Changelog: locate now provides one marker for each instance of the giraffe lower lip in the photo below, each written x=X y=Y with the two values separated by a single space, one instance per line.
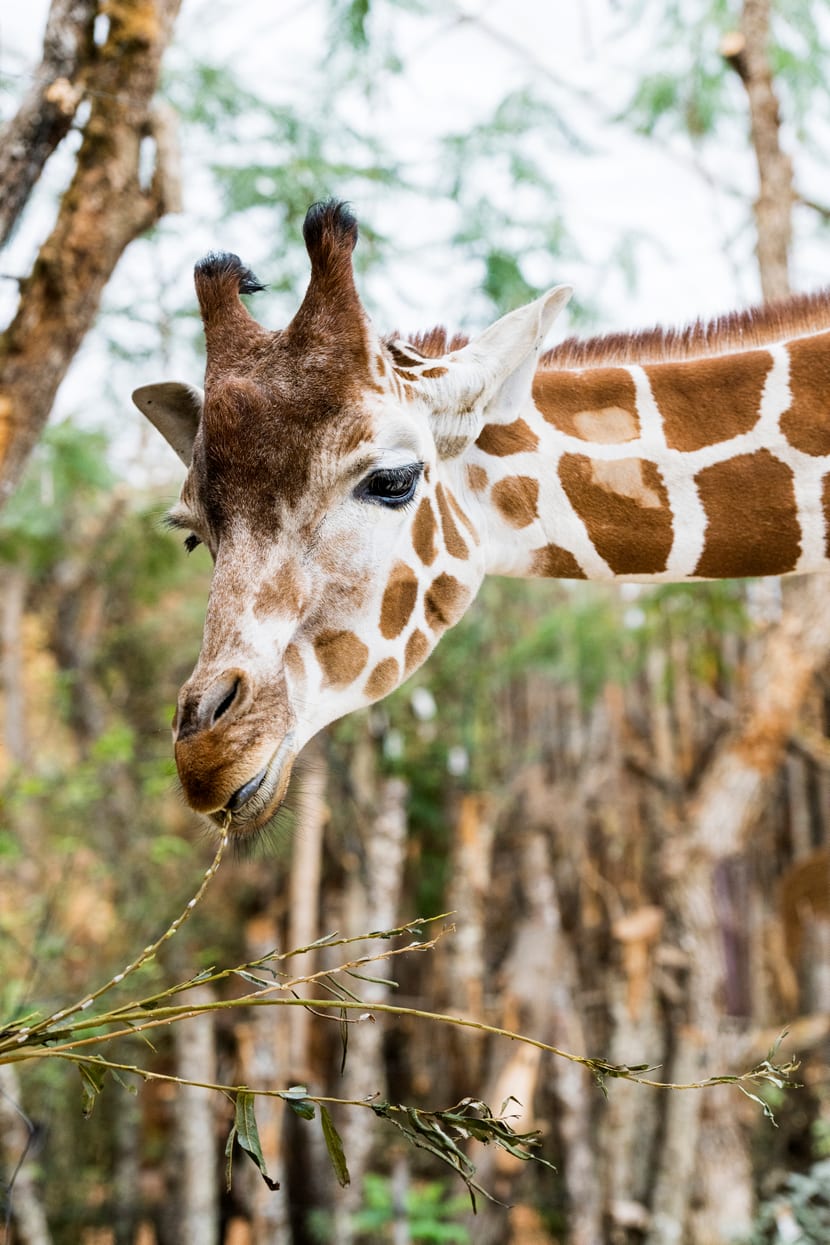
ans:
x=257 y=800
x=244 y=794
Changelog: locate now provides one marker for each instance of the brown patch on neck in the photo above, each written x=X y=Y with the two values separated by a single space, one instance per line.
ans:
x=554 y=562
x=516 y=500
x=454 y=542
x=599 y=406
x=753 y=526
x=383 y=679
x=342 y=656
x=806 y=424
x=417 y=651
x=625 y=508
x=398 y=602
x=710 y=400
x=505 y=439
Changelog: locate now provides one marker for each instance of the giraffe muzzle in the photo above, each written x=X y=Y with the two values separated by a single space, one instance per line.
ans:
x=259 y=799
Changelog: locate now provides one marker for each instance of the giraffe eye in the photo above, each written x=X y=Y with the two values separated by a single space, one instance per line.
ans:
x=393 y=486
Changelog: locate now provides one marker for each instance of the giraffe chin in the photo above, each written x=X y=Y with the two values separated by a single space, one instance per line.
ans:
x=257 y=800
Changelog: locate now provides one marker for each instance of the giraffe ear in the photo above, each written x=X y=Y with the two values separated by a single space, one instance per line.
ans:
x=491 y=377
x=175 y=410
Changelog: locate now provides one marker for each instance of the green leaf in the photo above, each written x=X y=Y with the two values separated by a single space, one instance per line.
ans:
x=335 y=1147
x=92 y=1082
x=246 y=1133
x=296 y=1097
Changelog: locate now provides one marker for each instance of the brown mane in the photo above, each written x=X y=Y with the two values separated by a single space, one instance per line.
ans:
x=737 y=330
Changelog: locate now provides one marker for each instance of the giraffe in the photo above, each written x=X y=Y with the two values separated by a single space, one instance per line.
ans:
x=354 y=491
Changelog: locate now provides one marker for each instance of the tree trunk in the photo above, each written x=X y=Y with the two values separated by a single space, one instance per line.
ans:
x=747 y=51
x=197 y=1195
x=12 y=599
x=103 y=210
x=373 y=904
x=21 y=1203
x=48 y=109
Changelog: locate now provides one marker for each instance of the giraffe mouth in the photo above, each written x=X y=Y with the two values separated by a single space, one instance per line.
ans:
x=258 y=799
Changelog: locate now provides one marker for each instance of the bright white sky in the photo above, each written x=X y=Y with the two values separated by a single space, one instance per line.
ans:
x=693 y=259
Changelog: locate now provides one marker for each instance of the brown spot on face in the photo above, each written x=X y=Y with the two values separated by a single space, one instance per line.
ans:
x=432 y=373
x=383 y=678
x=451 y=447
x=453 y=540
x=753 y=524
x=706 y=401
x=554 y=562
x=417 y=651
x=806 y=424
x=445 y=602
x=465 y=518
x=342 y=656
x=423 y=532
x=282 y=595
x=504 y=439
x=599 y=405
x=516 y=500
x=625 y=507
x=294 y=663
x=477 y=477
x=398 y=601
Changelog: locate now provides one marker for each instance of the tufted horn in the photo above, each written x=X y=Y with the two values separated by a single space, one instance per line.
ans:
x=331 y=308
x=230 y=330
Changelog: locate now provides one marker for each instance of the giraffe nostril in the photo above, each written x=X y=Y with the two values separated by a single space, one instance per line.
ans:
x=226 y=698
x=225 y=703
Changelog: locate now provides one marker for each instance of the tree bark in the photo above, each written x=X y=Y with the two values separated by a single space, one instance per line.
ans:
x=48 y=109
x=24 y=1207
x=197 y=1195
x=102 y=211
x=747 y=51
x=374 y=905
x=13 y=587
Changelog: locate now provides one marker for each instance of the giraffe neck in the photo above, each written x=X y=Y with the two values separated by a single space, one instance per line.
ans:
x=712 y=467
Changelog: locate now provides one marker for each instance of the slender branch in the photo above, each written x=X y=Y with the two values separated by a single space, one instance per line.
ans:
x=600 y=1068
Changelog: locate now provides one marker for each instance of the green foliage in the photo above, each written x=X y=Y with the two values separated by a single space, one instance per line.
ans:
x=66 y=477
x=800 y=1212
x=430 y=1211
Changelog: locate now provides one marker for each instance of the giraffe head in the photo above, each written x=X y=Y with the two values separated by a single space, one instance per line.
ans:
x=326 y=477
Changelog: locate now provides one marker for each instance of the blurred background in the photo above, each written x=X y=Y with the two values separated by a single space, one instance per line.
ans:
x=623 y=795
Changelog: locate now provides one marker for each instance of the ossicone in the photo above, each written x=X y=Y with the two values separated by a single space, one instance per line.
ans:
x=221 y=277
x=330 y=233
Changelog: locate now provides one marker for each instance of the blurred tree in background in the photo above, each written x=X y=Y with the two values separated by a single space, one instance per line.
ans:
x=562 y=775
